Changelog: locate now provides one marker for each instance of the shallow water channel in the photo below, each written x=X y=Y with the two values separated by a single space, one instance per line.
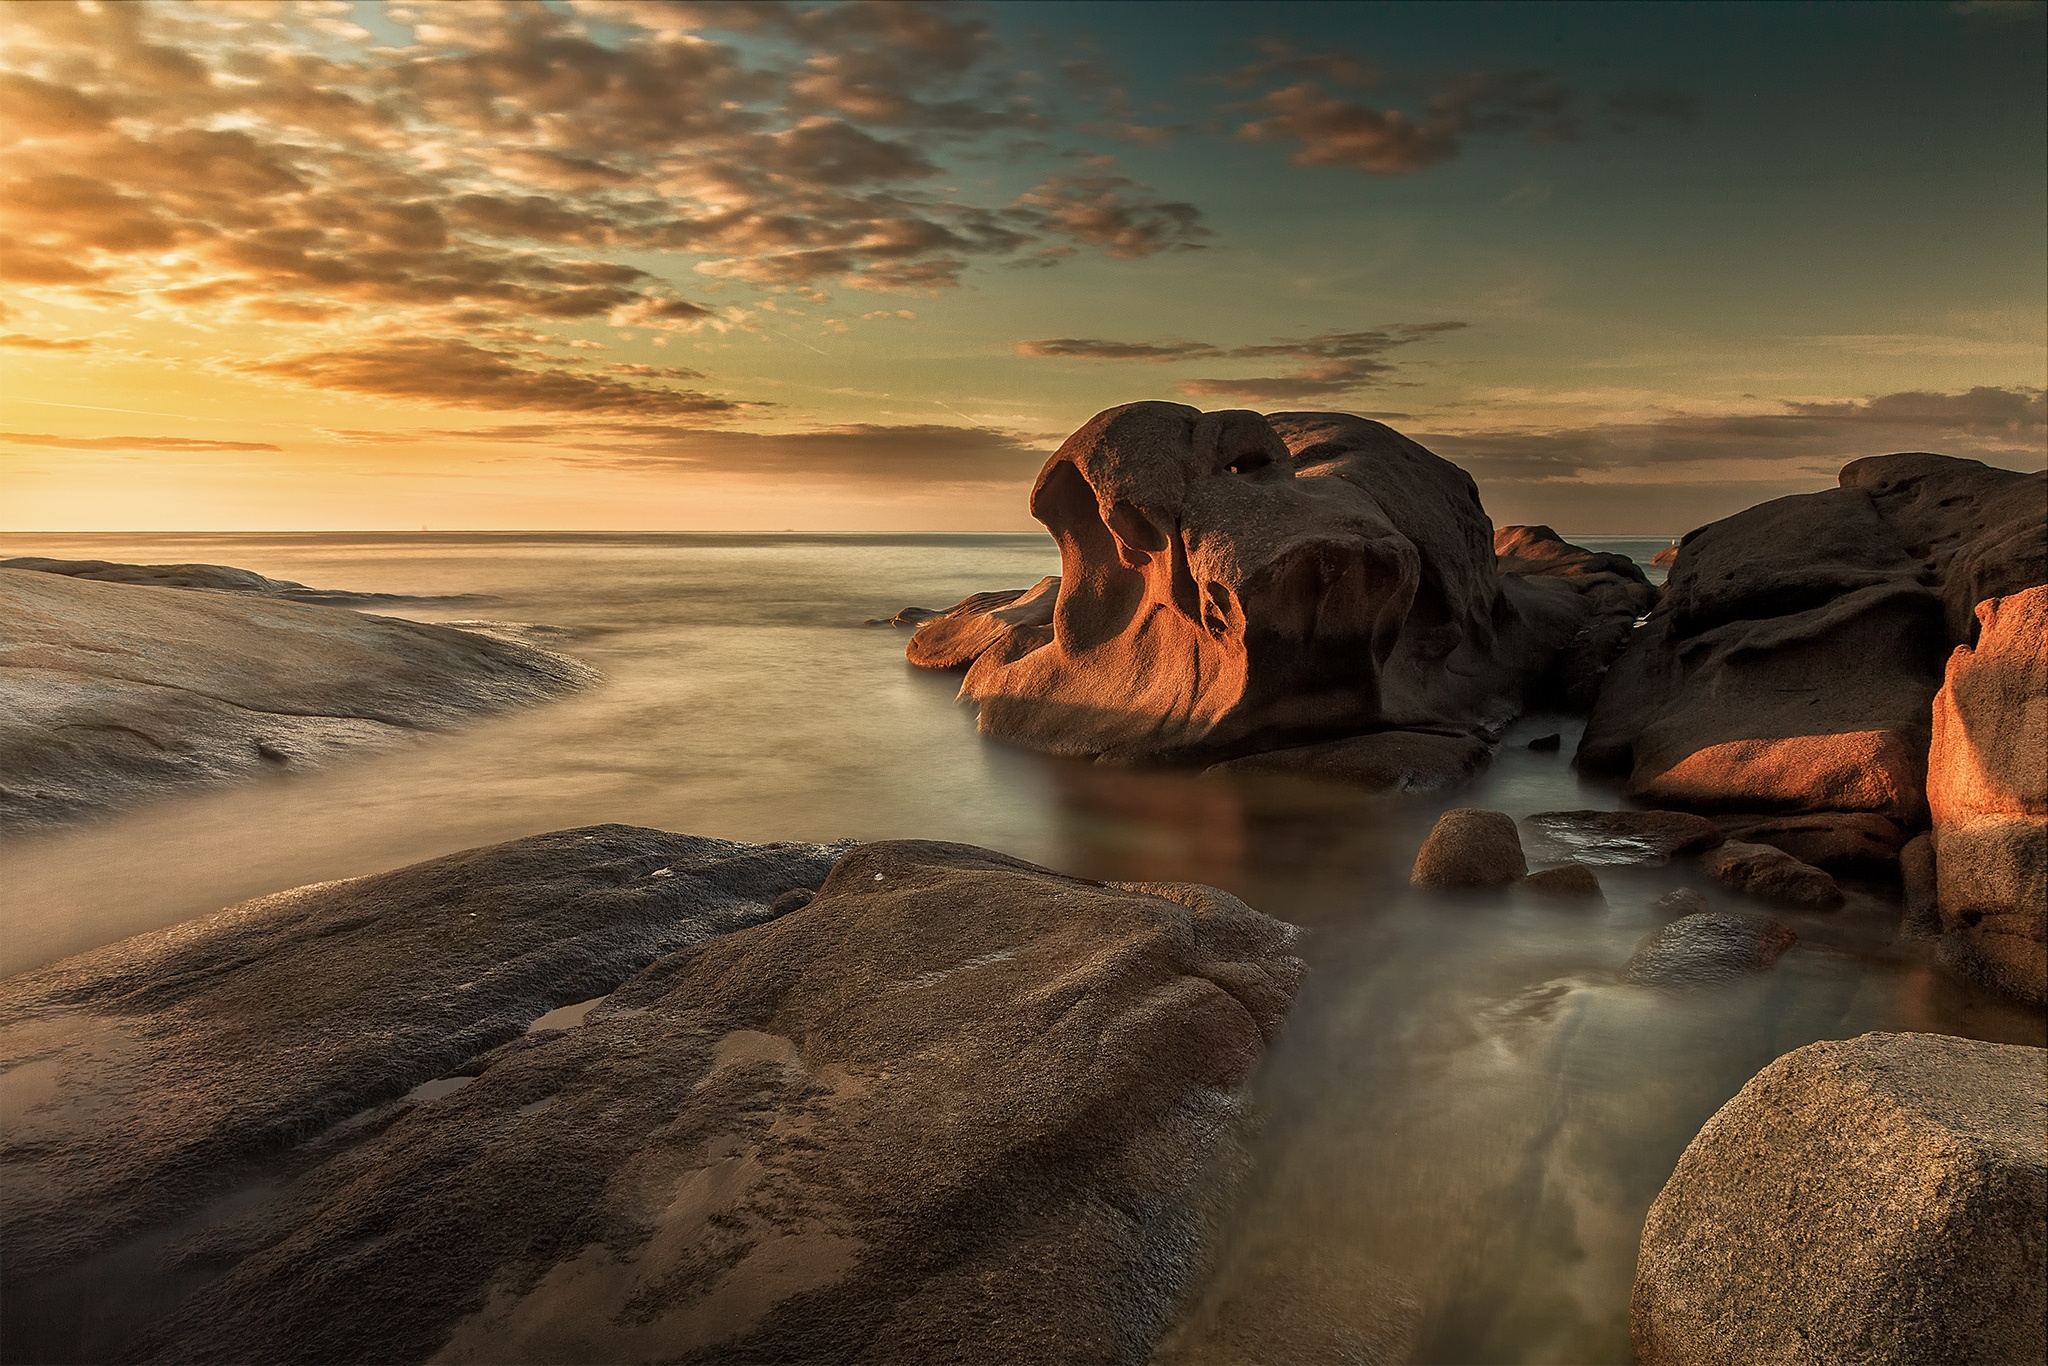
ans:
x=1467 y=1117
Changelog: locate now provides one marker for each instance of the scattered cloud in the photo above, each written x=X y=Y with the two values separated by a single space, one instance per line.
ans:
x=29 y=343
x=1336 y=131
x=130 y=443
x=1326 y=365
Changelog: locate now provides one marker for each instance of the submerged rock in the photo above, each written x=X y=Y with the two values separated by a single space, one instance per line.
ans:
x=1988 y=788
x=1384 y=761
x=953 y=1106
x=1469 y=847
x=1771 y=874
x=1799 y=644
x=1706 y=946
x=113 y=692
x=1838 y=841
x=1682 y=901
x=1565 y=880
x=1647 y=837
x=1879 y=1199
x=1231 y=582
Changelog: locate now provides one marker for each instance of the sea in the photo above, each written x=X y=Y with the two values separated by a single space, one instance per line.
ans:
x=1467 y=1116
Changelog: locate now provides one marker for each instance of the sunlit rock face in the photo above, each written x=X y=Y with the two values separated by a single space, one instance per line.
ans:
x=1987 y=787
x=1794 y=659
x=1232 y=582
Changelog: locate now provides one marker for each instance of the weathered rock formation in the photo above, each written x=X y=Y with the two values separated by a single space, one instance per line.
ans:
x=950 y=1107
x=1792 y=662
x=1614 y=593
x=1988 y=789
x=1231 y=583
x=111 y=692
x=1706 y=946
x=1875 y=1199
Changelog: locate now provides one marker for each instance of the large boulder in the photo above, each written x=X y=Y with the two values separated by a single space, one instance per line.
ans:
x=1880 y=1199
x=1614 y=593
x=113 y=692
x=1232 y=583
x=1793 y=660
x=952 y=1106
x=1988 y=789
x=1470 y=847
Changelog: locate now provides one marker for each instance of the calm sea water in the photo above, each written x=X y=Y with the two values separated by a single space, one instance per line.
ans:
x=1467 y=1117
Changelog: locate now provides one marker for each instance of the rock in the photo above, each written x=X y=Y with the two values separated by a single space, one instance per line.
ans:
x=1839 y=841
x=910 y=616
x=1878 y=1199
x=1566 y=880
x=1385 y=761
x=1988 y=789
x=1008 y=622
x=1920 y=916
x=1470 y=848
x=110 y=693
x=1682 y=901
x=955 y=1107
x=1706 y=946
x=1978 y=531
x=1794 y=657
x=1614 y=592
x=1770 y=874
x=1232 y=583
x=1645 y=837
x=220 y=578
x=1547 y=744
x=1666 y=557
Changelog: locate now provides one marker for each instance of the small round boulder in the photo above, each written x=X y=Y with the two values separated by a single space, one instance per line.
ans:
x=1470 y=848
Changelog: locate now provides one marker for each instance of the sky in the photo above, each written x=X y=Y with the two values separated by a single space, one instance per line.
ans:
x=617 y=264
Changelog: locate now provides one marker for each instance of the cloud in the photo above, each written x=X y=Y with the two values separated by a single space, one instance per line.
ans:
x=1113 y=213
x=461 y=375
x=130 y=443
x=29 y=343
x=1334 y=131
x=1327 y=364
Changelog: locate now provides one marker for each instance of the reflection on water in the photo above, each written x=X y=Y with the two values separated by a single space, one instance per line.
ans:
x=1467 y=1116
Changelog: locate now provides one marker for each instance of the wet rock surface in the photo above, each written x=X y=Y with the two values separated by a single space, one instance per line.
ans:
x=1470 y=848
x=1707 y=946
x=1616 y=837
x=1838 y=841
x=952 y=1106
x=1876 y=1199
x=1988 y=790
x=1798 y=646
x=1385 y=761
x=114 y=692
x=1771 y=874
x=1231 y=582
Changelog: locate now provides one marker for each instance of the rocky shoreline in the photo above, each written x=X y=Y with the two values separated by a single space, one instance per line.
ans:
x=614 y=1093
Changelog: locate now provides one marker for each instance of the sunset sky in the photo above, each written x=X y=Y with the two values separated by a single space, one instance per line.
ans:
x=620 y=264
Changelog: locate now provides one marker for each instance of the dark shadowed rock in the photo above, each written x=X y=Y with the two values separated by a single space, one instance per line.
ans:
x=1565 y=880
x=1547 y=744
x=1706 y=946
x=1682 y=901
x=1385 y=761
x=110 y=692
x=1007 y=622
x=955 y=1107
x=1988 y=788
x=1231 y=582
x=1614 y=592
x=1770 y=874
x=1879 y=1199
x=1469 y=847
x=1839 y=841
x=1920 y=915
x=1647 y=837
x=1792 y=662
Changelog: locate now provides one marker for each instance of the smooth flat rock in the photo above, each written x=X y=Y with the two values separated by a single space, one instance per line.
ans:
x=1987 y=787
x=221 y=578
x=111 y=692
x=952 y=1107
x=1771 y=874
x=1469 y=847
x=1385 y=761
x=1626 y=837
x=1878 y=1199
x=1233 y=582
x=1706 y=946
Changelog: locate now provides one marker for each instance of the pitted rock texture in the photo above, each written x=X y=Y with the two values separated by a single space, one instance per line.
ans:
x=1879 y=1199
x=1792 y=662
x=952 y=1107
x=1988 y=789
x=111 y=693
x=1232 y=583
x=1470 y=847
